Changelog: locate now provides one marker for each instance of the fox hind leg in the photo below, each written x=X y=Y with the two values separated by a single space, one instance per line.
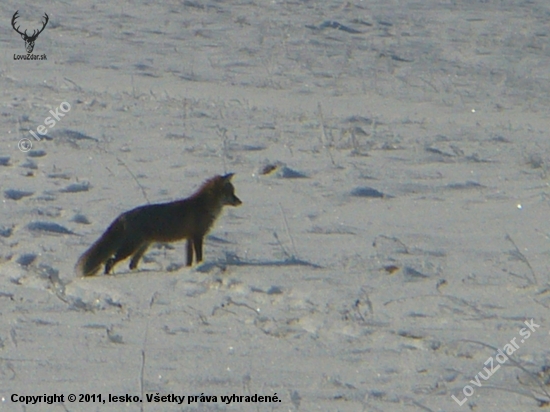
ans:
x=109 y=265
x=138 y=255
x=127 y=249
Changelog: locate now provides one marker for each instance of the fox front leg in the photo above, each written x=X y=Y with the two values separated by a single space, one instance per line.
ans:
x=189 y=252
x=197 y=243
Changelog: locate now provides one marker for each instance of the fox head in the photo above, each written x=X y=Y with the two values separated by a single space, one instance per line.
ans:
x=228 y=191
x=219 y=191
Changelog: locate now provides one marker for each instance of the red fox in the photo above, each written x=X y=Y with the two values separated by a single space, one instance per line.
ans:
x=132 y=232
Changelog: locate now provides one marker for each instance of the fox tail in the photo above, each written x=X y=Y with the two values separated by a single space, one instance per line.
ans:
x=90 y=262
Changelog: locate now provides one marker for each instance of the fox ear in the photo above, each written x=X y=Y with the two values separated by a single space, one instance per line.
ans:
x=228 y=177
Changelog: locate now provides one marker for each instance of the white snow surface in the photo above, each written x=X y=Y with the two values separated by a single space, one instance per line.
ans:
x=401 y=239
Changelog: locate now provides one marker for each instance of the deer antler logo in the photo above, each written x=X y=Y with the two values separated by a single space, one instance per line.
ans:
x=29 y=40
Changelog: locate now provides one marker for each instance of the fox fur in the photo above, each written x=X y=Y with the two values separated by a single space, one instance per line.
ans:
x=134 y=231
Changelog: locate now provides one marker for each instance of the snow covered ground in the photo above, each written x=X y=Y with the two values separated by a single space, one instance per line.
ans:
x=401 y=239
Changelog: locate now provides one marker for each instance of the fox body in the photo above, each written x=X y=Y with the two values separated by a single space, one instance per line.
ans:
x=133 y=232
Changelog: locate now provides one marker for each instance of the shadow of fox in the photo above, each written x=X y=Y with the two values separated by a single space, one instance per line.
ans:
x=132 y=232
